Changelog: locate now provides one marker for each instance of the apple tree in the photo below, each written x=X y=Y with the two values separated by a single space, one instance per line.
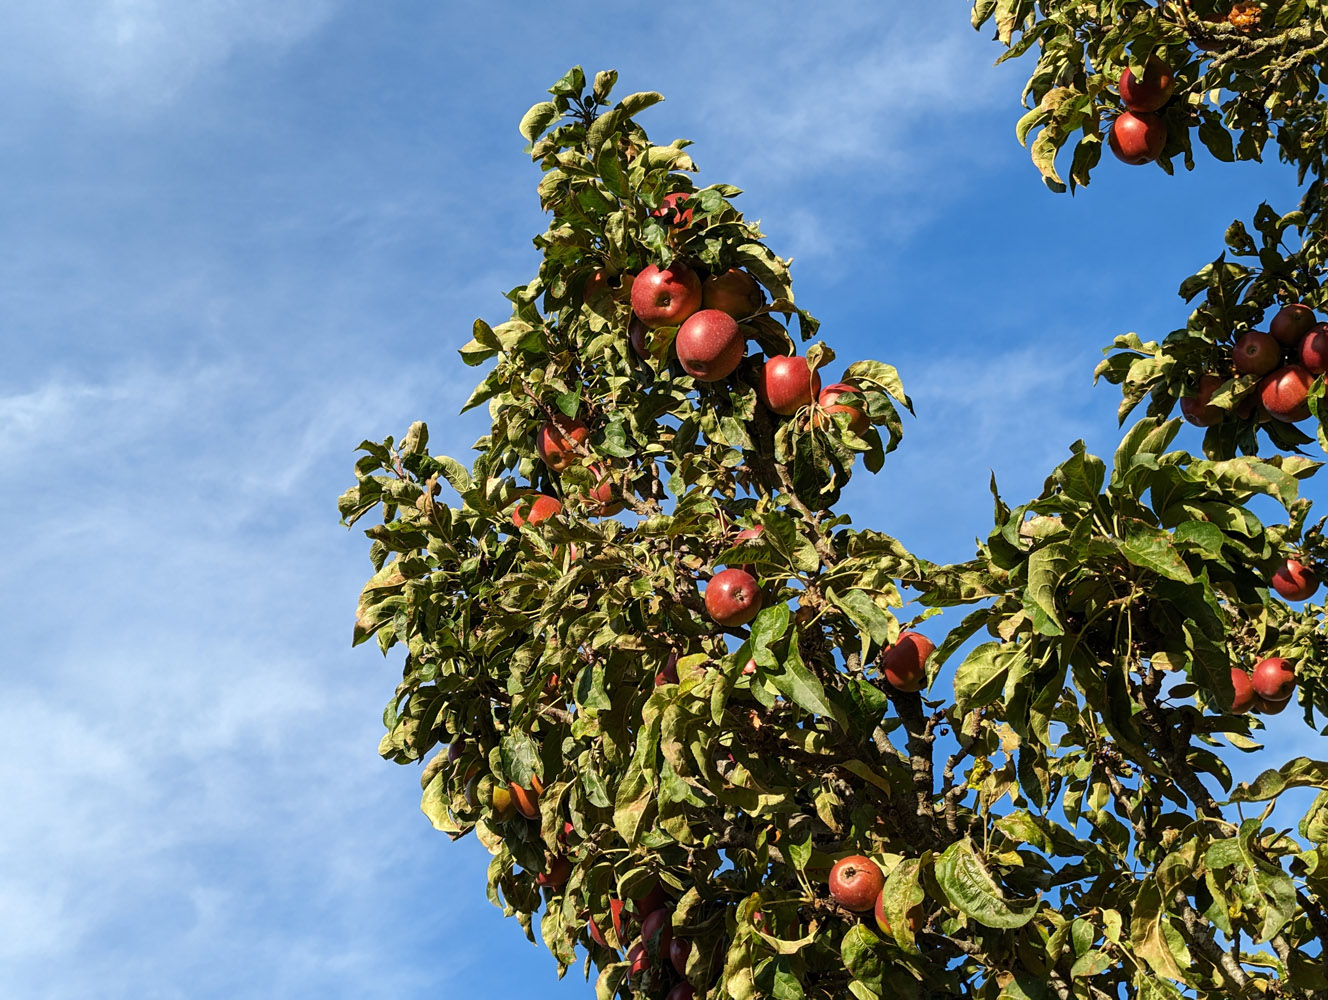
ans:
x=690 y=710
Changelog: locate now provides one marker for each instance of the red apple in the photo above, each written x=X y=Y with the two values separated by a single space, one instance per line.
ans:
x=1197 y=410
x=786 y=384
x=665 y=296
x=1291 y=323
x=616 y=914
x=1274 y=679
x=710 y=345
x=855 y=882
x=1264 y=707
x=597 y=286
x=828 y=401
x=454 y=751
x=1150 y=93
x=905 y=663
x=540 y=509
x=604 y=495
x=732 y=597
x=1284 y=393
x=750 y=668
x=639 y=957
x=1137 y=139
x=558 y=441
x=636 y=336
x=527 y=799
x=669 y=673
x=1257 y=353
x=1243 y=687
x=679 y=950
x=914 y=917
x=1313 y=350
x=746 y=535
x=734 y=292
x=683 y=991
x=673 y=216
x=557 y=873
x=1295 y=581
x=658 y=922
x=651 y=901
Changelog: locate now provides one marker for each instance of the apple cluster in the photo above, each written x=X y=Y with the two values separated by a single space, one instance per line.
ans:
x=1286 y=359
x=1139 y=133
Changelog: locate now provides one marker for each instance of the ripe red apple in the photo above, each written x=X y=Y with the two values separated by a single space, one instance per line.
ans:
x=540 y=509
x=679 y=950
x=828 y=401
x=1295 y=581
x=914 y=917
x=597 y=286
x=1150 y=93
x=636 y=336
x=732 y=597
x=1243 y=688
x=604 y=495
x=1257 y=353
x=658 y=922
x=1266 y=707
x=905 y=663
x=855 y=882
x=527 y=799
x=669 y=673
x=673 y=216
x=1197 y=410
x=454 y=751
x=651 y=901
x=710 y=345
x=1313 y=350
x=665 y=296
x=683 y=991
x=558 y=440
x=1291 y=323
x=1137 y=138
x=557 y=873
x=734 y=292
x=745 y=535
x=616 y=915
x=1274 y=679
x=639 y=957
x=1284 y=393
x=750 y=668
x=786 y=384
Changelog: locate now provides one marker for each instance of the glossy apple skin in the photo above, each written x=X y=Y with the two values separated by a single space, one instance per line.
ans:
x=672 y=215
x=856 y=882
x=1137 y=139
x=556 y=875
x=1295 y=581
x=1243 y=688
x=597 y=286
x=734 y=292
x=1150 y=93
x=858 y=421
x=710 y=345
x=732 y=597
x=665 y=296
x=658 y=922
x=1197 y=410
x=527 y=799
x=557 y=442
x=540 y=509
x=1291 y=323
x=1257 y=353
x=749 y=669
x=683 y=991
x=639 y=957
x=905 y=663
x=914 y=917
x=1284 y=393
x=655 y=899
x=1265 y=707
x=669 y=673
x=1313 y=350
x=1274 y=679
x=604 y=496
x=786 y=384
x=679 y=950
x=636 y=336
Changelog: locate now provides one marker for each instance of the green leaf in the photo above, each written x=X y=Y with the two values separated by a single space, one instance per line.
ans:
x=1046 y=567
x=970 y=887
x=902 y=891
x=520 y=758
x=864 y=957
x=800 y=686
x=980 y=679
x=1299 y=773
x=535 y=121
x=1152 y=549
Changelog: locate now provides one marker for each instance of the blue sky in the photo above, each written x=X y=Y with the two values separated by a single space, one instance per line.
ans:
x=241 y=236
